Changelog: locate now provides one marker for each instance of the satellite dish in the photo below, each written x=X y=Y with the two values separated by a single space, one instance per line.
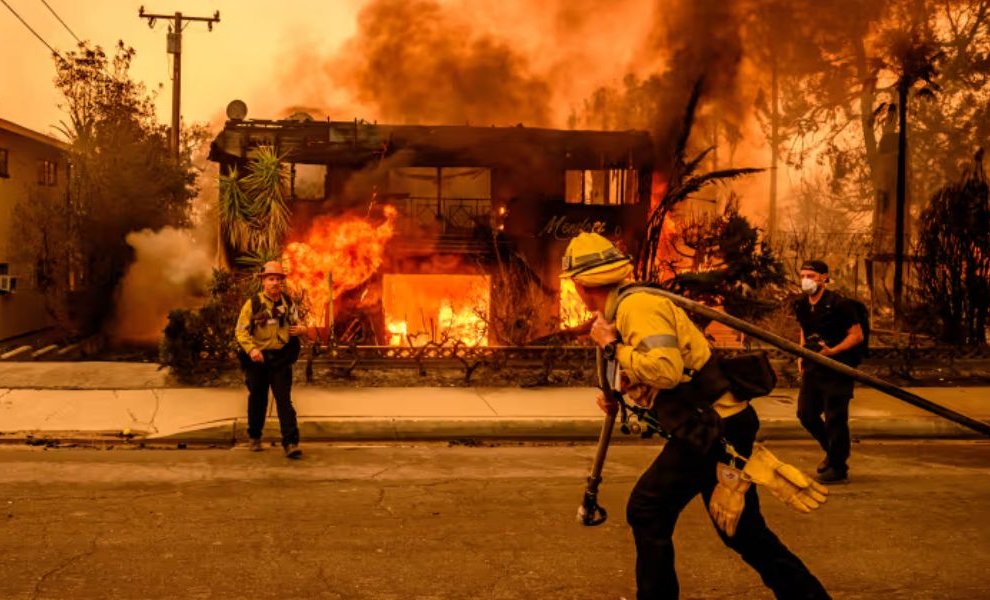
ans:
x=236 y=110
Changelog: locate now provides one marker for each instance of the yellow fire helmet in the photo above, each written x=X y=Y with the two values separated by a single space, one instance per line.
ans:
x=593 y=261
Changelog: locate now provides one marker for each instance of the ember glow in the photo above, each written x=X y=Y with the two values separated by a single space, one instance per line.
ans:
x=572 y=309
x=436 y=308
x=348 y=248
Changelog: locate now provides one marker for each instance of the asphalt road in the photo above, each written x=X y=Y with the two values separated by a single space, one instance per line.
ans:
x=437 y=522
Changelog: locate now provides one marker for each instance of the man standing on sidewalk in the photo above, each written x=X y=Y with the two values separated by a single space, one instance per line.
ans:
x=829 y=325
x=268 y=334
x=666 y=360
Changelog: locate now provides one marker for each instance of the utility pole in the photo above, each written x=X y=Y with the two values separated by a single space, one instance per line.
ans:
x=174 y=47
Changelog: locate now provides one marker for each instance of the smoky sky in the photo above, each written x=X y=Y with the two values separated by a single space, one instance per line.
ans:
x=420 y=63
x=702 y=45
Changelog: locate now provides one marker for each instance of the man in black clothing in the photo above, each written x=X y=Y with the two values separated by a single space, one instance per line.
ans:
x=829 y=325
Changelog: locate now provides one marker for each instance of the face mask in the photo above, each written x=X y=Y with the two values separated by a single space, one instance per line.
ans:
x=809 y=287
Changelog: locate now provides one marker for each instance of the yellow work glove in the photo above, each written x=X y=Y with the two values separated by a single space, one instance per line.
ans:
x=784 y=481
x=728 y=499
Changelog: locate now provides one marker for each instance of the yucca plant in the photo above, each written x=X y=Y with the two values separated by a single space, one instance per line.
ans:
x=266 y=186
x=234 y=212
x=253 y=212
x=254 y=260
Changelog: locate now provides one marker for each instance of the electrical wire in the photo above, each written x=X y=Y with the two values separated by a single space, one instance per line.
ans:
x=36 y=34
x=61 y=21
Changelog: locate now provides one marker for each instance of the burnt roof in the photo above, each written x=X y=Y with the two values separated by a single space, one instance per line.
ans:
x=356 y=144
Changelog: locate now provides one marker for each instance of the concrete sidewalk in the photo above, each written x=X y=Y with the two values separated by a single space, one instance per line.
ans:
x=218 y=415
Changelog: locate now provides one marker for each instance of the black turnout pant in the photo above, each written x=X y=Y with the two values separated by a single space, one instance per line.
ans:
x=679 y=474
x=276 y=375
x=827 y=393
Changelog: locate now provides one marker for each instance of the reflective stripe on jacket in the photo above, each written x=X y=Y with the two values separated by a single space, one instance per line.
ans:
x=660 y=346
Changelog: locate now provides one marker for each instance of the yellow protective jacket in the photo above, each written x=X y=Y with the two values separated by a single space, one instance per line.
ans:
x=270 y=332
x=660 y=348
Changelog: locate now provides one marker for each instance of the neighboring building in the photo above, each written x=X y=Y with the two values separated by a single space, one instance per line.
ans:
x=454 y=185
x=33 y=168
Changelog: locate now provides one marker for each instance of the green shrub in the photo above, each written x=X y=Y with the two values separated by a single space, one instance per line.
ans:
x=197 y=339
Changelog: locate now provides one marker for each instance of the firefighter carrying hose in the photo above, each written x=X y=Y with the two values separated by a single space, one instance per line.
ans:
x=665 y=364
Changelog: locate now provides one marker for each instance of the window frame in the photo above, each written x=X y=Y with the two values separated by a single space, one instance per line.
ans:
x=628 y=179
x=47 y=172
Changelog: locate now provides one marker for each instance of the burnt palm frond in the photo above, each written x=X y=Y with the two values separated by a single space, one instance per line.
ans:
x=682 y=183
x=695 y=184
x=687 y=123
x=692 y=165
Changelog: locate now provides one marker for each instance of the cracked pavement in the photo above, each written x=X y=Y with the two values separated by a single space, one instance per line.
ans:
x=432 y=521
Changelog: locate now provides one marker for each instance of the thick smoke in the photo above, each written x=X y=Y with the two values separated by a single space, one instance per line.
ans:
x=420 y=64
x=171 y=269
x=588 y=64
x=502 y=63
x=700 y=41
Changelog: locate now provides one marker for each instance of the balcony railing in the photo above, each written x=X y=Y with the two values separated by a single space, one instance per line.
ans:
x=451 y=215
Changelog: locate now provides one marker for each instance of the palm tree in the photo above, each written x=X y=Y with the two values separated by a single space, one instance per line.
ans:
x=682 y=183
x=913 y=59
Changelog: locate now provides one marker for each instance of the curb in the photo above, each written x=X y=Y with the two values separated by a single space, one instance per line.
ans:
x=366 y=429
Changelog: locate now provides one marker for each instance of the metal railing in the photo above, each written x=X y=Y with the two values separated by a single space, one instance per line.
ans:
x=450 y=215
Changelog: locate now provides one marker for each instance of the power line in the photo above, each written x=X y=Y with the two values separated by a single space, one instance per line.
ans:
x=61 y=21
x=40 y=39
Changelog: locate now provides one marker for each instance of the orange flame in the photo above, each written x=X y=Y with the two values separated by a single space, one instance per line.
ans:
x=572 y=309
x=658 y=188
x=440 y=308
x=347 y=248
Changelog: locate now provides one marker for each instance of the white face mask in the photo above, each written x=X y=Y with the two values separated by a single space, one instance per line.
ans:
x=808 y=286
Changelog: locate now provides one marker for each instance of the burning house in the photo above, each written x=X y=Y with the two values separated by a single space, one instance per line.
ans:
x=405 y=234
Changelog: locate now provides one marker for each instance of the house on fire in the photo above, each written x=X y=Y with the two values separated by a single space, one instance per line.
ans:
x=462 y=193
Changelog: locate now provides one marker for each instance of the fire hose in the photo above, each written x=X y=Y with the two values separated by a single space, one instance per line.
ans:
x=591 y=514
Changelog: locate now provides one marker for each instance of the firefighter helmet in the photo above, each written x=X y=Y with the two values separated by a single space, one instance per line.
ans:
x=590 y=254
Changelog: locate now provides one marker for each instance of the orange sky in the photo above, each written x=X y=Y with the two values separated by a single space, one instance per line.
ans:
x=236 y=60
x=278 y=55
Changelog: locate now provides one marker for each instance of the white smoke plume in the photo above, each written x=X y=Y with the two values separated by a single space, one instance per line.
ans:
x=172 y=269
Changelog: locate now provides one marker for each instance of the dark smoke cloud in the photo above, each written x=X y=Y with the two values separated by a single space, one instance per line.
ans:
x=700 y=40
x=420 y=63
x=457 y=62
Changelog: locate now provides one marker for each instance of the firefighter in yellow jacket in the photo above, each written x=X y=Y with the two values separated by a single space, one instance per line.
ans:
x=665 y=364
x=268 y=333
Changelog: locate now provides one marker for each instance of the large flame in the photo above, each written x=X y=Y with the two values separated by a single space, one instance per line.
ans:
x=444 y=309
x=349 y=249
x=658 y=188
x=572 y=309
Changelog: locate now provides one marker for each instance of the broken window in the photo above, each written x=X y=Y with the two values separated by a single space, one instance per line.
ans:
x=601 y=186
